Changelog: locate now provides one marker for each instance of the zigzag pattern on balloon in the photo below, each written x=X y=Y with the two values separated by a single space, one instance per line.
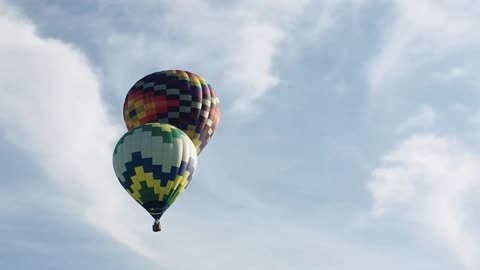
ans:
x=141 y=165
x=147 y=182
x=155 y=163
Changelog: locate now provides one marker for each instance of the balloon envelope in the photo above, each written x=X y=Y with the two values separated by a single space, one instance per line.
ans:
x=179 y=98
x=155 y=163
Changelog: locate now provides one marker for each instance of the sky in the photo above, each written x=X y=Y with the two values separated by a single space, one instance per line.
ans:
x=348 y=137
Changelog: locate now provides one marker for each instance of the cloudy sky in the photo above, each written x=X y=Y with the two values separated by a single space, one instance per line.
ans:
x=348 y=138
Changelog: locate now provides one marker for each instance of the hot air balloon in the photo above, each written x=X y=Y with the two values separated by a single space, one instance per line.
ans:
x=155 y=163
x=179 y=98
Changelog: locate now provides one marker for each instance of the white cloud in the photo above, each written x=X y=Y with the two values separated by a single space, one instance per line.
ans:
x=51 y=109
x=455 y=73
x=432 y=181
x=475 y=118
x=423 y=119
x=231 y=45
x=328 y=12
x=422 y=32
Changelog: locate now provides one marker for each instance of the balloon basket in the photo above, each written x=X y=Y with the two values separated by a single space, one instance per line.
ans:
x=156 y=226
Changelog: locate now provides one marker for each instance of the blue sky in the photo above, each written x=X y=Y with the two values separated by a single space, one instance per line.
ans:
x=348 y=137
